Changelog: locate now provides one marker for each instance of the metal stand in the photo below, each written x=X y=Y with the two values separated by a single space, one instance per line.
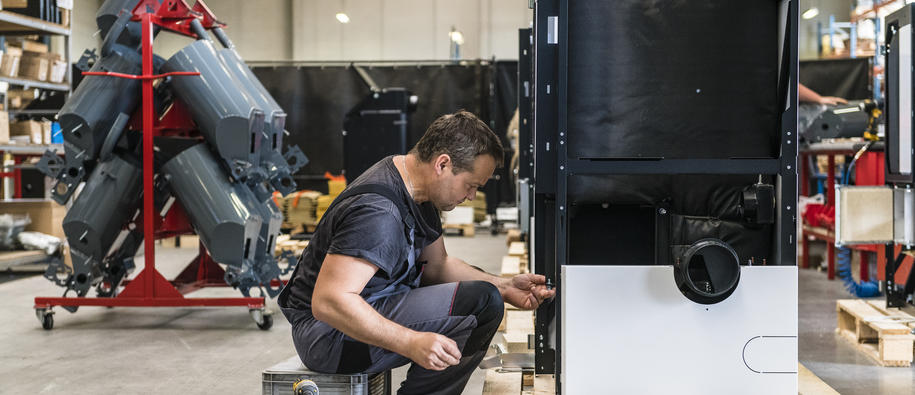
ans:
x=150 y=288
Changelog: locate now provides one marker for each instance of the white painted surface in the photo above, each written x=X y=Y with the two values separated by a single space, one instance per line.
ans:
x=628 y=329
x=308 y=30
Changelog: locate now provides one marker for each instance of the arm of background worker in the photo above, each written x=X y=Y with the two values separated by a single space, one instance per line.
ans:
x=525 y=291
x=807 y=95
x=337 y=301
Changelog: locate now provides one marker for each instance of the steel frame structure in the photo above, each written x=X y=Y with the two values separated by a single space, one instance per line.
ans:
x=553 y=165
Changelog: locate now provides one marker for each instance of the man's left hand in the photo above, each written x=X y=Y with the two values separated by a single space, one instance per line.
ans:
x=526 y=291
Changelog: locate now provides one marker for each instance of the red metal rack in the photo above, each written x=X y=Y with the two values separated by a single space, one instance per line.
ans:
x=150 y=288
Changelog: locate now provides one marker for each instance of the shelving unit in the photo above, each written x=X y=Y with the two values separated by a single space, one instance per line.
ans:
x=14 y=24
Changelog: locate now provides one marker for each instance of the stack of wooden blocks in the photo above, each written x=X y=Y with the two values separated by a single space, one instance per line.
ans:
x=285 y=243
x=517 y=327
x=299 y=210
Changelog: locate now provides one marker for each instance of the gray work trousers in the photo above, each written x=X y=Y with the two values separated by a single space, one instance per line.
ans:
x=426 y=309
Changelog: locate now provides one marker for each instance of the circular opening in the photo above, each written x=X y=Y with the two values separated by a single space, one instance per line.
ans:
x=82 y=278
x=61 y=189
x=286 y=182
x=73 y=172
x=824 y=126
x=78 y=134
x=292 y=161
x=708 y=272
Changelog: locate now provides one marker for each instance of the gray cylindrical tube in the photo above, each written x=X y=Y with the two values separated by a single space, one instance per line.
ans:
x=97 y=216
x=274 y=116
x=221 y=212
x=92 y=108
x=109 y=11
x=226 y=115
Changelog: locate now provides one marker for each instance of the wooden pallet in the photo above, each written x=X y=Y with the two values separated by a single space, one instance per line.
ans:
x=466 y=230
x=513 y=235
x=883 y=335
x=518 y=383
x=285 y=243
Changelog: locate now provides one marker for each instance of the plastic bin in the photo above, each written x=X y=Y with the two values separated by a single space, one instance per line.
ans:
x=278 y=380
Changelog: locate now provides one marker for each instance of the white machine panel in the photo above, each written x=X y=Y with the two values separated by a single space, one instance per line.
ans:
x=905 y=99
x=628 y=329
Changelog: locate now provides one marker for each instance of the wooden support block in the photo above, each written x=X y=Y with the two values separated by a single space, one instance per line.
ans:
x=544 y=384
x=513 y=236
x=511 y=266
x=527 y=378
x=519 y=325
x=517 y=249
x=499 y=383
x=466 y=230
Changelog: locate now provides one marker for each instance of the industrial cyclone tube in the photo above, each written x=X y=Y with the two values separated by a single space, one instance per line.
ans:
x=223 y=213
x=110 y=197
x=226 y=114
x=274 y=116
x=88 y=114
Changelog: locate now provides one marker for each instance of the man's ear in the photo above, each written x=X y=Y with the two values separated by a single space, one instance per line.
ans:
x=441 y=163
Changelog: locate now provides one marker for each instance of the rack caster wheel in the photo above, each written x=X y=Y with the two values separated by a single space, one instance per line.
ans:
x=263 y=320
x=305 y=387
x=46 y=318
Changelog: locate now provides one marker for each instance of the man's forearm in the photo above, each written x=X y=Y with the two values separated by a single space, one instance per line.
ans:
x=454 y=270
x=350 y=314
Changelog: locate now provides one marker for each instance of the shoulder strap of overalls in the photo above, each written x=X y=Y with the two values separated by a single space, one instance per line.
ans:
x=406 y=214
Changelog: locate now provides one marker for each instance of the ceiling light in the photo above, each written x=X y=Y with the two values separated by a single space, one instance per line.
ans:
x=810 y=13
x=343 y=18
x=457 y=37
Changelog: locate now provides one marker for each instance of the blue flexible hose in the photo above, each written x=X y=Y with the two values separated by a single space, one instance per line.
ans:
x=864 y=289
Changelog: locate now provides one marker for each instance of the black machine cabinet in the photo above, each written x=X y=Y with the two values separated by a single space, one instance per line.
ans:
x=900 y=158
x=660 y=128
x=375 y=128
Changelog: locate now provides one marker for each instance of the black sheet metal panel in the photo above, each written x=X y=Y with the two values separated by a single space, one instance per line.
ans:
x=375 y=128
x=846 y=78
x=673 y=79
x=316 y=98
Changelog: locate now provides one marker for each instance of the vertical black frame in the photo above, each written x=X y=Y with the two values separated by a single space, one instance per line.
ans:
x=553 y=166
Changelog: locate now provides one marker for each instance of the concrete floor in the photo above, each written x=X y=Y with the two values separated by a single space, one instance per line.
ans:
x=220 y=350
x=833 y=359
x=160 y=350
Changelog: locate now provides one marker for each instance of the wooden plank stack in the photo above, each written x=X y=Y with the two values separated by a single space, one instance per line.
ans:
x=881 y=333
x=517 y=327
x=285 y=243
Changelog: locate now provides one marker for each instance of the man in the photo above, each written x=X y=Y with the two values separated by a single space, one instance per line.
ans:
x=807 y=95
x=375 y=289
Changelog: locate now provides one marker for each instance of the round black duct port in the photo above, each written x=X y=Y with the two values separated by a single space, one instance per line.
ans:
x=708 y=271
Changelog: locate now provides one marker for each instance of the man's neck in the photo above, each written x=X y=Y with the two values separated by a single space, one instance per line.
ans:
x=414 y=176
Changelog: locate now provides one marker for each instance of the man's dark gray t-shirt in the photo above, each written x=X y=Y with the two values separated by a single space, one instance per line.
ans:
x=367 y=226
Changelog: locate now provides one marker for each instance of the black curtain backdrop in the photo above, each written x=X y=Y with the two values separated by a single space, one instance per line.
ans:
x=848 y=78
x=316 y=97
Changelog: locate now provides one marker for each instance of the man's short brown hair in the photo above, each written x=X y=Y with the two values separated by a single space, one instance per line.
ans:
x=463 y=137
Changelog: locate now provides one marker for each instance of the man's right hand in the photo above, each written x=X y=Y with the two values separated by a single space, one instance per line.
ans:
x=433 y=351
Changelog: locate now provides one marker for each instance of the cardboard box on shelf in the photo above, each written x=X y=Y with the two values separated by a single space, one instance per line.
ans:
x=33 y=129
x=45 y=132
x=57 y=70
x=47 y=216
x=33 y=66
x=9 y=64
x=27 y=45
x=20 y=98
x=15 y=3
x=4 y=127
x=65 y=18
